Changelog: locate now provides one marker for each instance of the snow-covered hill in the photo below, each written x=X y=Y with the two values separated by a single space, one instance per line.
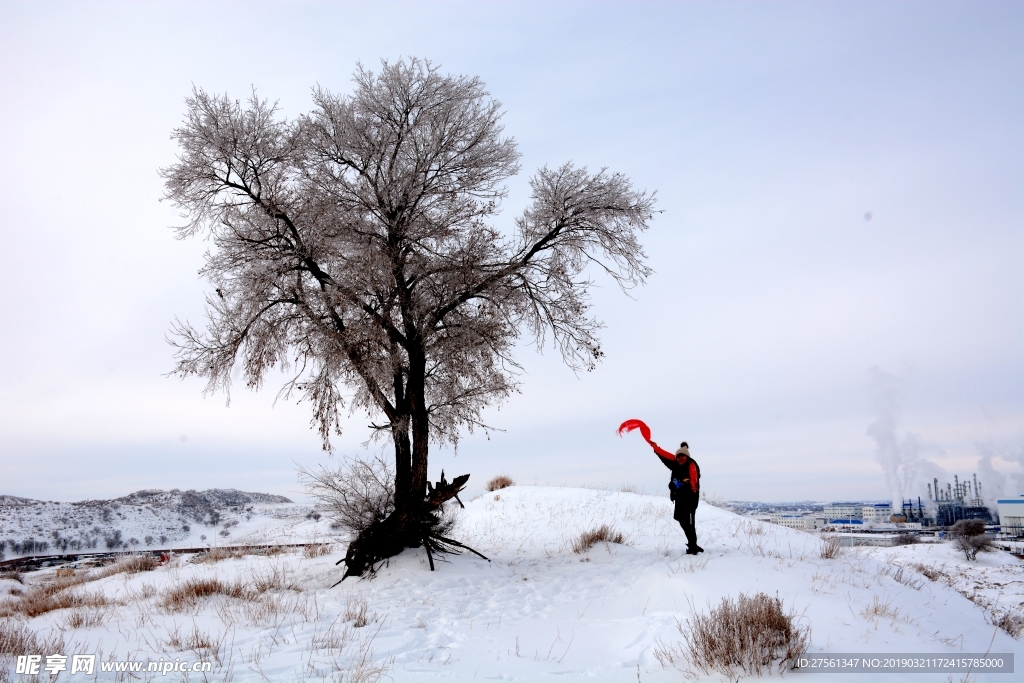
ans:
x=535 y=611
x=152 y=518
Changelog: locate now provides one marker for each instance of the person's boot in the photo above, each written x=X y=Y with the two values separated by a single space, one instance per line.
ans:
x=698 y=548
x=692 y=551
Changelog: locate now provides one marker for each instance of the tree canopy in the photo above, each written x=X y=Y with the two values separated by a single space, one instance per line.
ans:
x=356 y=247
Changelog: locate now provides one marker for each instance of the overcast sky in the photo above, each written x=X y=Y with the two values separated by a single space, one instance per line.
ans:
x=839 y=265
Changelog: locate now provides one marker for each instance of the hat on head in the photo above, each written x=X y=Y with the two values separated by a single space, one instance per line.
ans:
x=683 y=450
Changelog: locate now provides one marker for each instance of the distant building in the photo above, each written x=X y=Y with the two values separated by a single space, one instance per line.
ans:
x=845 y=524
x=790 y=521
x=1011 y=515
x=844 y=511
x=879 y=513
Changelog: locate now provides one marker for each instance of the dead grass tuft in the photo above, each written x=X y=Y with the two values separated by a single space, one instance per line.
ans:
x=1010 y=621
x=16 y=638
x=357 y=610
x=312 y=550
x=907 y=578
x=81 y=618
x=877 y=609
x=49 y=598
x=831 y=547
x=187 y=594
x=217 y=554
x=748 y=634
x=602 y=534
x=130 y=564
x=273 y=578
x=502 y=481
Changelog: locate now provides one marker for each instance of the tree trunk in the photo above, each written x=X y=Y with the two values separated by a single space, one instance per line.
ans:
x=420 y=422
x=403 y=460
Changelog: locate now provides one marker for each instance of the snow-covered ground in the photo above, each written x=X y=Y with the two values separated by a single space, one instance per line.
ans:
x=537 y=610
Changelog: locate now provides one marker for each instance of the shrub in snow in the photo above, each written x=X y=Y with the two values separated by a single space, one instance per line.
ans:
x=968 y=536
x=355 y=494
x=967 y=527
x=741 y=637
x=906 y=539
x=831 y=547
x=500 y=482
x=972 y=545
x=602 y=534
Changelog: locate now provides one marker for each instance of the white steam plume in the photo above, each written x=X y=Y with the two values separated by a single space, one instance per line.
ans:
x=901 y=457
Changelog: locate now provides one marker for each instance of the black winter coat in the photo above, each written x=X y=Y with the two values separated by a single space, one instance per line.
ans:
x=680 y=489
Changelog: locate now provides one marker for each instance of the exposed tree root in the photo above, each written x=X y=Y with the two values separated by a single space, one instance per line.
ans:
x=409 y=527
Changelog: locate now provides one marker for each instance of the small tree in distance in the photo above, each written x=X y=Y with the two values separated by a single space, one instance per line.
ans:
x=968 y=536
x=354 y=247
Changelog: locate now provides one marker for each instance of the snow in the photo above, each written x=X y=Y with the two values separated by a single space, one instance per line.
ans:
x=539 y=611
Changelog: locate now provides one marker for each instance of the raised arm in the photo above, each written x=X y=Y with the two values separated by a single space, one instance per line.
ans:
x=667 y=459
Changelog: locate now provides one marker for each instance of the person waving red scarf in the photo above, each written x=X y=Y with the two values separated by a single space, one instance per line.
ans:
x=684 y=488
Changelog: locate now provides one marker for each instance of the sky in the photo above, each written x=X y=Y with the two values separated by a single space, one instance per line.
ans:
x=837 y=307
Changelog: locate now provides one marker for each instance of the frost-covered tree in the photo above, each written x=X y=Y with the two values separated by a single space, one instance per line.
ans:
x=355 y=246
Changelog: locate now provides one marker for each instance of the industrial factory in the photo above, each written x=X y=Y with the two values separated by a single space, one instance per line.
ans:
x=879 y=523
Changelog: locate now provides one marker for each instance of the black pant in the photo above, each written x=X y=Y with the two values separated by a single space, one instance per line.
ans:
x=684 y=514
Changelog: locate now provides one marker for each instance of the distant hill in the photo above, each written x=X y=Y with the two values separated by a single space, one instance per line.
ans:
x=150 y=517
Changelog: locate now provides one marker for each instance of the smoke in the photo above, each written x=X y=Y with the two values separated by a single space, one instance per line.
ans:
x=902 y=457
x=996 y=484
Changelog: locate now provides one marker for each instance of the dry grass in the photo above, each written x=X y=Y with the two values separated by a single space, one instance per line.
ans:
x=218 y=554
x=883 y=610
x=333 y=638
x=932 y=573
x=187 y=595
x=602 y=534
x=16 y=639
x=629 y=488
x=357 y=610
x=53 y=596
x=82 y=618
x=317 y=550
x=1010 y=621
x=502 y=481
x=130 y=564
x=749 y=635
x=273 y=578
x=907 y=578
x=831 y=547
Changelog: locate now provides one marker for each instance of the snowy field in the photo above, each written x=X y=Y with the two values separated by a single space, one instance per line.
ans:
x=536 y=611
